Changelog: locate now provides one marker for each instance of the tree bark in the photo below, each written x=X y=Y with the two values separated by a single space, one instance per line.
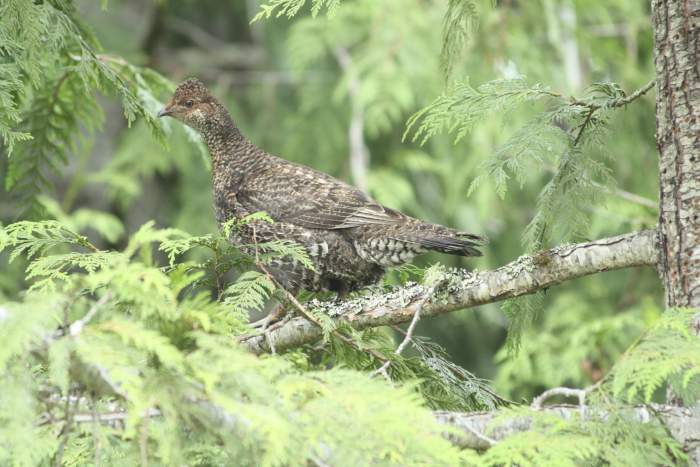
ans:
x=527 y=275
x=676 y=51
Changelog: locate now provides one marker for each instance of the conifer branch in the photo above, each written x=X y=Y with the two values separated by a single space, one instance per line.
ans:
x=527 y=275
x=595 y=106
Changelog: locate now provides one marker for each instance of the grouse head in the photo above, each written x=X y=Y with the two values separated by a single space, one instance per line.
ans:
x=195 y=106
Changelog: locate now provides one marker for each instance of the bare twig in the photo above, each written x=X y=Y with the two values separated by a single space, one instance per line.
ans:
x=78 y=326
x=539 y=401
x=454 y=370
x=269 y=339
x=102 y=417
x=95 y=441
x=583 y=127
x=409 y=333
x=621 y=193
x=66 y=430
x=492 y=442
x=416 y=317
x=144 y=441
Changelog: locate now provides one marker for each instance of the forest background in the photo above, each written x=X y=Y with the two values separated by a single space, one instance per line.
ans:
x=334 y=92
x=375 y=64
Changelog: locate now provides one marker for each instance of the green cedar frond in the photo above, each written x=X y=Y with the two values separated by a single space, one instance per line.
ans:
x=250 y=291
x=289 y=8
x=235 y=223
x=59 y=359
x=465 y=106
x=536 y=141
x=460 y=19
x=54 y=118
x=57 y=267
x=146 y=235
x=181 y=246
x=667 y=351
x=560 y=203
x=449 y=386
x=560 y=211
x=10 y=83
x=29 y=323
x=109 y=226
x=37 y=237
x=521 y=311
x=281 y=248
x=134 y=333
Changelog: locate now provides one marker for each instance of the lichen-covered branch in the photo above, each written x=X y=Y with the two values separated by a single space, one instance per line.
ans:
x=683 y=423
x=462 y=289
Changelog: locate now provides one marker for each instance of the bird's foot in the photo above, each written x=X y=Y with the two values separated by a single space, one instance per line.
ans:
x=277 y=313
x=342 y=293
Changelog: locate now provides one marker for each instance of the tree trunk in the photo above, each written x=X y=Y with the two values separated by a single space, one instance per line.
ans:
x=676 y=53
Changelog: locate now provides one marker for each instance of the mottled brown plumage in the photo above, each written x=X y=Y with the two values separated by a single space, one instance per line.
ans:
x=351 y=239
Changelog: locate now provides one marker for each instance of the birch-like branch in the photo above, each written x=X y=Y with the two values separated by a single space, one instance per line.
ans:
x=683 y=423
x=527 y=275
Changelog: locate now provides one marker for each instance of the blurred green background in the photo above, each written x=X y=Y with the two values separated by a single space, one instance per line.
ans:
x=335 y=94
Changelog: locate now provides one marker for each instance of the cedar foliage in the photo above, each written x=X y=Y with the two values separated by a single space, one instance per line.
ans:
x=111 y=359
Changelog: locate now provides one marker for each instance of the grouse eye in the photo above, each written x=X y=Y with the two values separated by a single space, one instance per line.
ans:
x=189 y=103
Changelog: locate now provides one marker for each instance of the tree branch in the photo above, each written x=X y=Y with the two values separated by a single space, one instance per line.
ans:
x=595 y=106
x=527 y=275
x=683 y=423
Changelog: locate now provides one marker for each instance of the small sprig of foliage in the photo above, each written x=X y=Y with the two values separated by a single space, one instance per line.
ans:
x=460 y=19
x=289 y=8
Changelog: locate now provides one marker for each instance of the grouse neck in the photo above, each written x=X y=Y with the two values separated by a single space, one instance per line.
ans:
x=226 y=141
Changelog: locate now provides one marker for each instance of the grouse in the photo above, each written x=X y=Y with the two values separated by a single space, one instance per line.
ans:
x=350 y=239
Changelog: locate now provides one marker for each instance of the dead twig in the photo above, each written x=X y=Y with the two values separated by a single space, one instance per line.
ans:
x=539 y=401
x=144 y=440
x=454 y=370
x=492 y=442
x=78 y=326
x=409 y=333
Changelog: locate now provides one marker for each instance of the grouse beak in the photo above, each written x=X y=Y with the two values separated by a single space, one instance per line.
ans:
x=165 y=112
